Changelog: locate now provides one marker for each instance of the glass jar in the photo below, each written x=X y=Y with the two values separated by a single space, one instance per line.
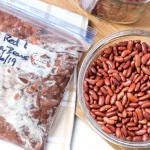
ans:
x=91 y=56
x=117 y=11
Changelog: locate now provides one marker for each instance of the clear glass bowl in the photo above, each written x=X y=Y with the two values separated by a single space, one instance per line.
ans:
x=92 y=55
x=117 y=11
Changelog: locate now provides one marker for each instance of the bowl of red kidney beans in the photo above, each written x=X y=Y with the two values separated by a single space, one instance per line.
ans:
x=114 y=88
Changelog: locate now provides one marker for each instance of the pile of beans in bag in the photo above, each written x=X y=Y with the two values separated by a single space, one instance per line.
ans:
x=33 y=78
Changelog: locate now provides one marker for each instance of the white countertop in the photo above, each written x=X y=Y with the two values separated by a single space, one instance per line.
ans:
x=84 y=138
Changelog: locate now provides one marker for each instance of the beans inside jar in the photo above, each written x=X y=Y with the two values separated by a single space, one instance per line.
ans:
x=119 y=11
x=117 y=90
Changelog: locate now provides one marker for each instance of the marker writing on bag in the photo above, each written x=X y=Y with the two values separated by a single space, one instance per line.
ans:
x=25 y=45
x=7 y=59
x=9 y=55
x=10 y=40
x=12 y=51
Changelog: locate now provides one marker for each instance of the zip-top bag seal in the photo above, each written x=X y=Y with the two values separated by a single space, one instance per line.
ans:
x=37 y=60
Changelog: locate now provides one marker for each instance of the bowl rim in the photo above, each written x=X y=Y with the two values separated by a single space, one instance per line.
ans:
x=80 y=96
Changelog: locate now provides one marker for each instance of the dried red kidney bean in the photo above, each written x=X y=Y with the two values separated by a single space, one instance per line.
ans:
x=124 y=103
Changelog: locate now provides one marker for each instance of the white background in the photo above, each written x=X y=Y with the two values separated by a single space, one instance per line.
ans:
x=84 y=138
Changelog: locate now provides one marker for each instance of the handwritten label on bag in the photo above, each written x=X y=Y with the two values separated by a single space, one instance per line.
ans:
x=28 y=57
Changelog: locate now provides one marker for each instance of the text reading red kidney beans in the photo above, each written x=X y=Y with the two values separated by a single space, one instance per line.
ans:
x=117 y=90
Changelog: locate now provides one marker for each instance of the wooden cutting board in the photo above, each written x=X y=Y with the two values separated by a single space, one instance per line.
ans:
x=104 y=29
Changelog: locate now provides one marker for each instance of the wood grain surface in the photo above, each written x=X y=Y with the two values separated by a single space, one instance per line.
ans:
x=104 y=29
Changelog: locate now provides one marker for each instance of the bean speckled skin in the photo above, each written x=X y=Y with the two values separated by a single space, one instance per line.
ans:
x=137 y=61
x=132 y=98
x=140 y=132
x=145 y=137
x=101 y=101
x=119 y=105
x=146 y=105
x=106 y=129
x=111 y=127
x=108 y=121
x=118 y=132
x=146 y=71
x=117 y=90
x=139 y=113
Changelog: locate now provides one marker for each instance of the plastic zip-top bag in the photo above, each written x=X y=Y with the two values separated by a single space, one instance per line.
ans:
x=37 y=60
